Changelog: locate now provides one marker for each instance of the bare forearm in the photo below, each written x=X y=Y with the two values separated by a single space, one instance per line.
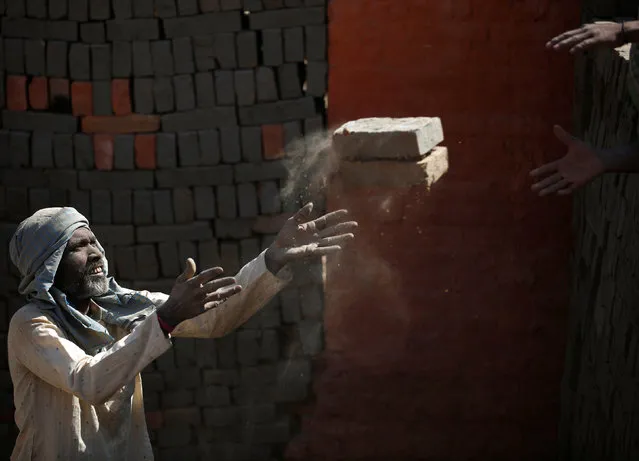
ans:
x=622 y=159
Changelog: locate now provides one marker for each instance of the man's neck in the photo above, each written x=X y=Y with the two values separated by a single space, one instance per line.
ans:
x=81 y=305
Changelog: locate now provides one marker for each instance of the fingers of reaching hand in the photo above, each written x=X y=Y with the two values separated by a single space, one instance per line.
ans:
x=330 y=219
x=547 y=182
x=304 y=213
x=216 y=284
x=189 y=271
x=568 y=190
x=206 y=276
x=337 y=240
x=221 y=294
x=558 y=41
x=555 y=187
x=563 y=135
x=341 y=228
x=546 y=169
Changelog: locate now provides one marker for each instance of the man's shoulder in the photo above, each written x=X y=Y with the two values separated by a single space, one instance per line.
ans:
x=27 y=314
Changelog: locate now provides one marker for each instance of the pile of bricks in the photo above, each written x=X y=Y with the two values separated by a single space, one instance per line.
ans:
x=166 y=123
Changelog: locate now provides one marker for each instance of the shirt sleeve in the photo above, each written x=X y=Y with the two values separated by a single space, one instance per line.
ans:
x=258 y=284
x=41 y=347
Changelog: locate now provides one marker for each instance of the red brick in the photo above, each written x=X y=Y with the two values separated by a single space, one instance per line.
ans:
x=272 y=141
x=145 y=151
x=103 y=151
x=16 y=92
x=121 y=96
x=133 y=123
x=154 y=419
x=38 y=93
x=58 y=87
x=82 y=98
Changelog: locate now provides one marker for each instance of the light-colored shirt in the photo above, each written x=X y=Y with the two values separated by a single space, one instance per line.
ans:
x=72 y=406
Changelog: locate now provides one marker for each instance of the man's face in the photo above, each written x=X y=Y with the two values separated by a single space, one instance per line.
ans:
x=81 y=272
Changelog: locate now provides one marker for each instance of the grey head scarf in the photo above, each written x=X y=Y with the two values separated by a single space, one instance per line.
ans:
x=37 y=248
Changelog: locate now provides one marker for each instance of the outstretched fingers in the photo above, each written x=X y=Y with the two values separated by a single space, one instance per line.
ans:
x=330 y=219
x=222 y=294
x=337 y=240
x=556 y=187
x=341 y=228
x=549 y=181
x=544 y=170
x=206 y=276
x=559 y=41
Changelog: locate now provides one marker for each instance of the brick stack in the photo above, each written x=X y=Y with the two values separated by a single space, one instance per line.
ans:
x=165 y=122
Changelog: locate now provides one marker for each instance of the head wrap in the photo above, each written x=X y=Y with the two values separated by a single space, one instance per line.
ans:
x=36 y=249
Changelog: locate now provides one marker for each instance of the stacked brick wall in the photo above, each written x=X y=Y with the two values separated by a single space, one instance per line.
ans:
x=445 y=322
x=599 y=402
x=165 y=122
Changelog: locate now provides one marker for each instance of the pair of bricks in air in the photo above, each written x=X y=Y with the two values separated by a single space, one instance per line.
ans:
x=391 y=152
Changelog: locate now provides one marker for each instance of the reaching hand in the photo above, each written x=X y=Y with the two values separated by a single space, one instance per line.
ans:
x=191 y=295
x=579 y=166
x=588 y=36
x=302 y=238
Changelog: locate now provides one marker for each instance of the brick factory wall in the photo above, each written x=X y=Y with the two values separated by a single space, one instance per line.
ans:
x=163 y=122
x=445 y=323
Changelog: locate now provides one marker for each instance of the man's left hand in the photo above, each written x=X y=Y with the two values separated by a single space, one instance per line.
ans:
x=302 y=237
x=588 y=36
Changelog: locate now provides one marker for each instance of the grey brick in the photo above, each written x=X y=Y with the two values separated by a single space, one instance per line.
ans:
x=233 y=228
x=188 y=148
x=315 y=42
x=147 y=264
x=63 y=179
x=316 y=78
x=224 y=46
x=42 y=150
x=315 y=2
x=204 y=198
x=294 y=44
x=83 y=151
x=35 y=57
x=251 y=144
x=63 y=150
x=247 y=200
x=122 y=60
x=275 y=112
x=204 y=90
x=251 y=172
x=312 y=302
x=293 y=3
x=273 y=4
x=92 y=32
x=78 y=10
x=230 y=144
x=166 y=153
x=122 y=201
x=183 y=205
x=163 y=94
x=245 y=87
x=39 y=121
x=208 y=256
x=143 y=95
x=226 y=350
x=125 y=262
x=178 y=398
x=183 y=55
x=290 y=303
x=79 y=62
x=266 y=85
x=16 y=8
x=61 y=30
x=102 y=98
x=209 y=147
x=186 y=376
x=17 y=200
x=269 y=197
x=228 y=378
x=213 y=396
x=208 y=6
x=143 y=8
x=248 y=347
x=81 y=201
x=99 y=9
x=57 y=59
x=313 y=124
x=221 y=417
x=252 y=5
x=247 y=49
x=311 y=335
x=37 y=8
x=153 y=381
x=165 y=8
x=162 y=58
x=292 y=132
x=201 y=176
x=195 y=232
x=100 y=207
x=290 y=81
x=24 y=28
x=112 y=180
x=187 y=7
x=122 y=9
x=228 y=5
x=142 y=59
x=290 y=17
x=142 y=207
x=38 y=199
x=272 y=47
x=186 y=250
x=133 y=29
x=249 y=249
x=226 y=201
x=203 y=24
x=123 y=152
x=199 y=119
x=169 y=262
x=174 y=436
x=163 y=207
x=269 y=346
x=114 y=235
x=204 y=52
x=14 y=55
x=225 y=87
x=184 y=93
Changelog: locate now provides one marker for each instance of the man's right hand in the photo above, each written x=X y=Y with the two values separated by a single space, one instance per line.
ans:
x=588 y=36
x=193 y=294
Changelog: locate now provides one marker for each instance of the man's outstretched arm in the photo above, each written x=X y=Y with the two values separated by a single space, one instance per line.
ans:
x=581 y=164
x=598 y=34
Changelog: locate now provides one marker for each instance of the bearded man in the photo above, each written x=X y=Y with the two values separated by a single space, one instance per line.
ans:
x=77 y=348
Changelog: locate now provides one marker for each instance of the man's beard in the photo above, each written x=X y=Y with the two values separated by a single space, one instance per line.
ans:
x=87 y=286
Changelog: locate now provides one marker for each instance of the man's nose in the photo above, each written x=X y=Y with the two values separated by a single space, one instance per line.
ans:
x=94 y=253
